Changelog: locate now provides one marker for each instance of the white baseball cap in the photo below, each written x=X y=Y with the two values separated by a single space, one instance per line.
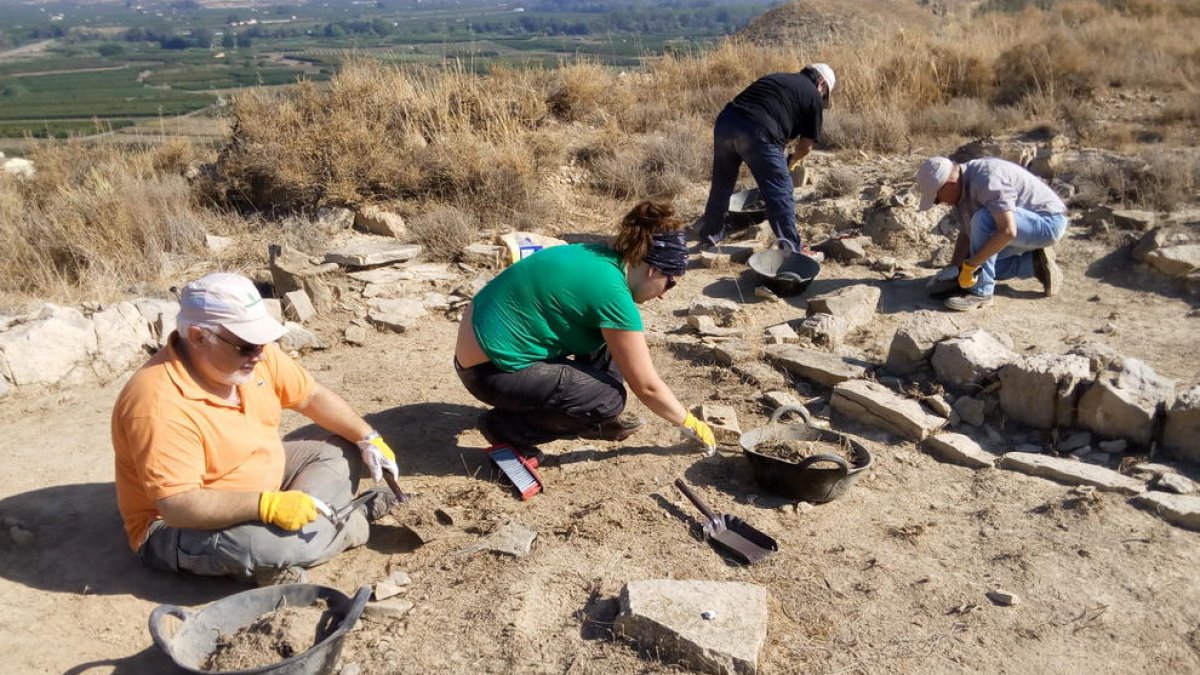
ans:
x=231 y=301
x=826 y=74
x=932 y=175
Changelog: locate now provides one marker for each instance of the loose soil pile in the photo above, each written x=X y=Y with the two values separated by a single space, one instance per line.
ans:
x=795 y=450
x=273 y=637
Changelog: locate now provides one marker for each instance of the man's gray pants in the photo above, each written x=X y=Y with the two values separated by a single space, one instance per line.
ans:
x=318 y=463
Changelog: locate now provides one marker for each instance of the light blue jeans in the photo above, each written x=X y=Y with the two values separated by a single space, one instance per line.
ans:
x=1015 y=261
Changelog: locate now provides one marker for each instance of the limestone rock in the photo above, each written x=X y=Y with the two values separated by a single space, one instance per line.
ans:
x=781 y=399
x=723 y=420
x=824 y=330
x=1125 y=405
x=408 y=272
x=160 y=316
x=298 y=307
x=291 y=270
x=914 y=341
x=121 y=336
x=386 y=589
x=5 y=387
x=666 y=618
x=398 y=315
x=368 y=252
x=970 y=410
x=707 y=325
x=854 y=304
x=335 y=218
x=1180 y=510
x=299 y=339
x=484 y=255
x=824 y=369
x=1041 y=390
x=759 y=374
x=1175 y=261
x=1181 y=433
x=966 y=359
x=780 y=334
x=1174 y=483
x=733 y=352
x=959 y=449
x=511 y=538
x=874 y=404
x=356 y=335
x=723 y=311
x=1070 y=472
x=47 y=349
x=1130 y=219
x=844 y=250
x=380 y=221
x=393 y=609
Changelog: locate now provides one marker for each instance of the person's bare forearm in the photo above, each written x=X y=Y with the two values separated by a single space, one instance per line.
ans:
x=332 y=413
x=202 y=509
x=659 y=398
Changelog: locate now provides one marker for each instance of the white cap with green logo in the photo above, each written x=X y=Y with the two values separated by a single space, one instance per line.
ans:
x=231 y=301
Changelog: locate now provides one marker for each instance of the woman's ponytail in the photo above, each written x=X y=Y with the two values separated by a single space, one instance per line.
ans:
x=639 y=226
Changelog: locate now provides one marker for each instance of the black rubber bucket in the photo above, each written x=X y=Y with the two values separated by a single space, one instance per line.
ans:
x=746 y=208
x=816 y=479
x=783 y=270
x=192 y=641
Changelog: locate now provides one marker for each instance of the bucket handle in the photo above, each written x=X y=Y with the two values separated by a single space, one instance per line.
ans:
x=784 y=245
x=813 y=459
x=785 y=409
x=156 y=624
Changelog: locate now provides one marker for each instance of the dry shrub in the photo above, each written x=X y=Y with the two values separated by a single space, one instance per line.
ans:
x=94 y=220
x=1160 y=183
x=585 y=92
x=444 y=231
x=967 y=117
x=1055 y=65
x=838 y=183
x=659 y=167
x=878 y=130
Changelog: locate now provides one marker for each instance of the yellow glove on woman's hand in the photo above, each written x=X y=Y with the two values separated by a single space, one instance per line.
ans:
x=966 y=275
x=290 y=510
x=695 y=428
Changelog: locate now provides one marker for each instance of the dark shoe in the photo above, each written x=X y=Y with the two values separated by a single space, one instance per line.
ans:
x=616 y=429
x=968 y=302
x=1047 y=271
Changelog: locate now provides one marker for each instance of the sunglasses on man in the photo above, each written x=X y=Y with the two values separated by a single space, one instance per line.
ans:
x=244 y=349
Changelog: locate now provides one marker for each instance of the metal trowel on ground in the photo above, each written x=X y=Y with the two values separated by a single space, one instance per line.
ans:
x=729 y=535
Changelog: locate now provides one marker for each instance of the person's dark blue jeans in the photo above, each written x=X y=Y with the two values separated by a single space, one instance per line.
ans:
x=737 y=139
x=548 y=400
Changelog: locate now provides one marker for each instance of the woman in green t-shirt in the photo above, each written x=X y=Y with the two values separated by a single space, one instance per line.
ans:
x=551 y=342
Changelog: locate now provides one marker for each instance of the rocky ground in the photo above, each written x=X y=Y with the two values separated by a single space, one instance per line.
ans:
x=898 y=575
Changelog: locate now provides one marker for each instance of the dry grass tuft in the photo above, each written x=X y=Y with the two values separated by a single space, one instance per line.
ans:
x=838 y=183
x=444 y=231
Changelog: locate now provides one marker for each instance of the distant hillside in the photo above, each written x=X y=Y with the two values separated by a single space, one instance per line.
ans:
x=809 y=23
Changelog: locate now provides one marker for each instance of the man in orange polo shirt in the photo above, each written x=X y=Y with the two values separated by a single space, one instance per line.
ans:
x=204 y=482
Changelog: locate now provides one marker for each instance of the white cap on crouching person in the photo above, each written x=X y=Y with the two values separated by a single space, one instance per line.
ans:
x=232 y=302
x=826 y=74
x=932 y=175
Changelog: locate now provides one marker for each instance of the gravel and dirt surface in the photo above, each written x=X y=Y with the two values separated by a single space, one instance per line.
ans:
x=891 y=577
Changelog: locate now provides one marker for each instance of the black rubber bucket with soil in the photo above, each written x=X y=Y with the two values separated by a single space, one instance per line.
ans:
x=320 y=616
x=799 y=461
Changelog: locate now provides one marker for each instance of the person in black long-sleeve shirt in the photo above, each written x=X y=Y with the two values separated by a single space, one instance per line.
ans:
x=755 y=128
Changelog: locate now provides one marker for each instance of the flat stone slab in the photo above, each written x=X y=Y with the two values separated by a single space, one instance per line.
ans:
x=413 y=272
x=707 y=626
x=511 y=538
x=1180 y=510
x=959 y=449
x=874 y=404
x=399 y=314
x=1071 y=472
x=370 y=252
x=825 y=369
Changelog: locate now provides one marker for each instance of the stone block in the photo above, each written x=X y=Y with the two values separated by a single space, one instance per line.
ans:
x=970 y=410
x=1130 y=219
x=781 y=399
x=824 y=330
x=959 y=449
x=398 y=315
x=299 y=339
x=1175 y=261
x=733 y=352
x=707 y=325
x=368 y=252
x=722 y=310
x=1181 y=433
x=759 y=374
x=291 y=270
x=854 y=304
x=484 y=255
x=121 y=336
x=874 y=404
x=1179 y=510
x=356 y=335
x=1124 y=405
x=705 y=626
x=1041 y=390
x=380 y=221
x=298 y=307
x=392 y=609
x=723 y=420
x=1070 y=472
x=160 y=316
x=819 y=367
x=968 y=358
x=780 y=334
x=914 y=341
x=46 y=350
x=844 y=250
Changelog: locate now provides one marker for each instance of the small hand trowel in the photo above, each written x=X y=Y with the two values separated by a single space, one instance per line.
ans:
x=729 y=535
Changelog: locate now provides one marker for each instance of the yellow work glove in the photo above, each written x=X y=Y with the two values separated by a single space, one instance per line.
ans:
x=378 y=456
x=695 y=429
x=290 y=510
x=966 y=274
